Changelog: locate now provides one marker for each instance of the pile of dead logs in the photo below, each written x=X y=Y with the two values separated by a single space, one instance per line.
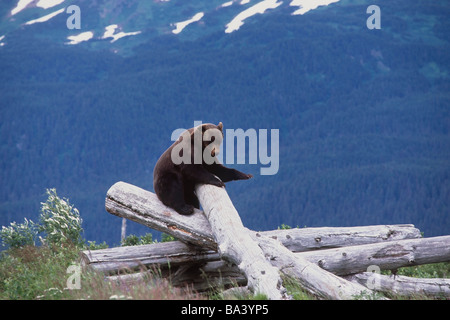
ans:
x=216 y=250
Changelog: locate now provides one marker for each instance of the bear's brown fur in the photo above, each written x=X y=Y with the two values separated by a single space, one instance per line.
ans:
x=174 y=182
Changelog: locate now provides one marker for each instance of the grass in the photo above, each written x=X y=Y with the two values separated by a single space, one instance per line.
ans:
x=40 y=273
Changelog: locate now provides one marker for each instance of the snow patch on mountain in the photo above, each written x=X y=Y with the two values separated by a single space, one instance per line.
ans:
x=45 y=4
x=48 y=3
x=260 y=7
x=110 y=33
x=183 y=24
x=308 y=5
x=84 y=36
x=227 y=4
x=22 y=4
x=46 y=17
x=237 y=11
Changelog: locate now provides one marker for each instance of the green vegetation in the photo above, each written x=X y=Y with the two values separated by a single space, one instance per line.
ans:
x=42 y=272
x=59 y=222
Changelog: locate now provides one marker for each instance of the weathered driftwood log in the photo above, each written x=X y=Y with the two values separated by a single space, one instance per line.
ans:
x=235 y=244
x=136 y=204
x=341 y=261
x=404 y=286
x=389 y=255
x=306 y=239
x=139 y=205
x=314 y=279
x=150 y=256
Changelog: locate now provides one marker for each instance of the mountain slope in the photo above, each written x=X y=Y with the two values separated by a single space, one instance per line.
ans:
x=362 y=114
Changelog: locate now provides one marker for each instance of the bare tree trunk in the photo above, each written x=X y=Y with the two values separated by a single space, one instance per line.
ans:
x=404 y=286
x=173 y=254
x=385 y=256
x=123 y=233
x=314 y=279
x=235 y=244
x=306 y=239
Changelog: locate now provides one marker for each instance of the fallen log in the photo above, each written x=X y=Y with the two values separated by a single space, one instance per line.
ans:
x=343 y=261
x=235 y=244
x=386 y=256
x=315 y=280
x=306 y=239
x=142 y=206
x=404 y=286
x=159 y=255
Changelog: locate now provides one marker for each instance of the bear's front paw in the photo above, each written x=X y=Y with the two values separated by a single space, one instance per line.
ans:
x=244 y=176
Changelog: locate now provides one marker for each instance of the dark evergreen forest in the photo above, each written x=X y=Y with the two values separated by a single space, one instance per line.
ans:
x=363 y=117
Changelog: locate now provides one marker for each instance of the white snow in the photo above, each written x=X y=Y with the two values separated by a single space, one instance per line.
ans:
x=227 y=4
x=109 y=33
x=84 y=36
x=22 y=4
x=45 y=18
x=45 y=4
x=307 y=5
x=48 y=3
x=183 y=24
x=260 y=7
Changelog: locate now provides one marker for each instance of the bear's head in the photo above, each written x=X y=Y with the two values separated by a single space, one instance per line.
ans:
x=212 y=137
x=201 y=142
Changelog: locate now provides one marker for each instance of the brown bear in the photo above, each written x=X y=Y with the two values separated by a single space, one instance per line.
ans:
x=189 y=161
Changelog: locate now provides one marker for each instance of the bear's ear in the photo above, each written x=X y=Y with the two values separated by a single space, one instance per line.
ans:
x=220 y=126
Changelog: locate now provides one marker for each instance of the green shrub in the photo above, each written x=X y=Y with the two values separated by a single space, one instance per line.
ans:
x=19 y=235
x=60 y=221
x=134 y=240
x=167 y=238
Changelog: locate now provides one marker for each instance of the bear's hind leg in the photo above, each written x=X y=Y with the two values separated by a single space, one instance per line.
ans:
x=171 y=193
x=190 y=197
